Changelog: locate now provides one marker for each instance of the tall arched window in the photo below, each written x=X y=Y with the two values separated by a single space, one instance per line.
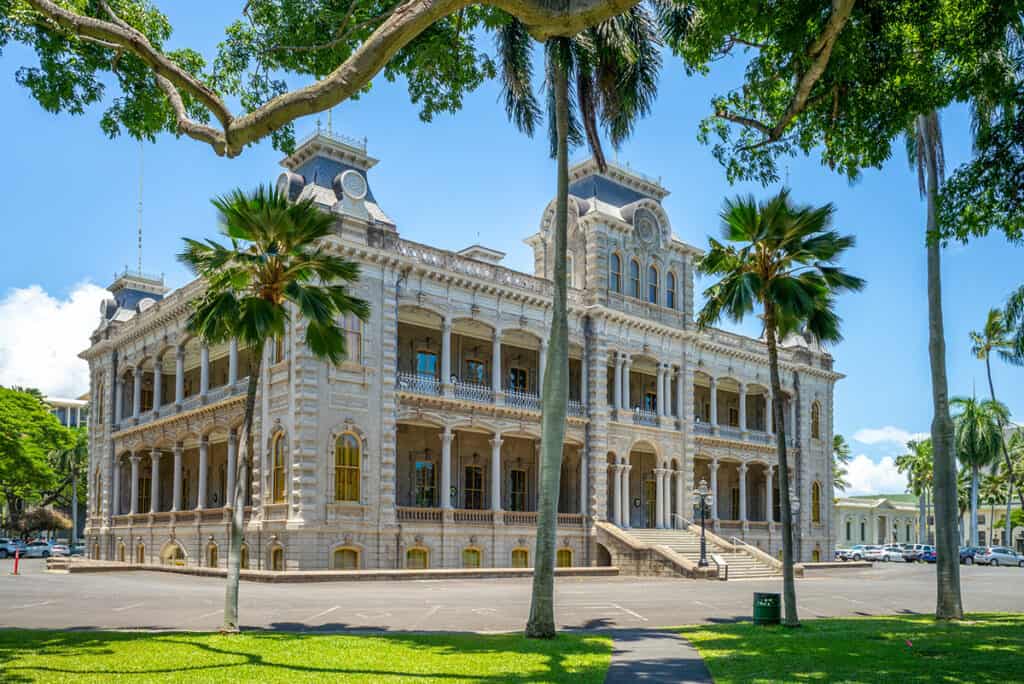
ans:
x=211 y=555
x=563 y=559
x=277 y=450
x=615 y=273
x=470 y=557
x=816 y=502
x=346 y=559
x=634 y=278
x=346 y=467
x=670 y=290
x=417 y=559
x=815 y=420
x=244 y=560
x=353 y=338
x=120 y=551
x=277 y=559
x=140 y=553
x=652 y=285
x=520 y=558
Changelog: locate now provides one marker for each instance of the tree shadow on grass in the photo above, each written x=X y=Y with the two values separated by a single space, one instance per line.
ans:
x=30 y=656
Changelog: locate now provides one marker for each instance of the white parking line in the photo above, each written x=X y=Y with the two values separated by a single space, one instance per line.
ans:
x=321 y=613
x=34 y=605
x=638 y=616
x=128 y=607
x=206 y=615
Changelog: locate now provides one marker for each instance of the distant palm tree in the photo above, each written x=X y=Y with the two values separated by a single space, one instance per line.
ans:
x=276 y=263
x=992 y=492
x=978 y=440
x=780 y=258
x=840 y=462
x=998 y=337
x=916 y=464
x=71 y=463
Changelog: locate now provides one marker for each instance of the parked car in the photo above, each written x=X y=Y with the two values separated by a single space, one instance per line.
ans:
x=929 y=555
x=912 y=552
x=9 y=546
x=37 y=549
x=855 y=552
x=998 y=555
x=60 y=550
x=967 y=554
x=892 y=552
x=78 y=549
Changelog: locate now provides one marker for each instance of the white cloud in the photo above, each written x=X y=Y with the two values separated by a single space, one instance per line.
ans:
x=868 y=477
x=886 y=435
x=41 y=337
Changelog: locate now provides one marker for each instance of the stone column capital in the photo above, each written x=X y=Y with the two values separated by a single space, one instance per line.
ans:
x=135 y=458
x=496 y=442
x=154 y=455
x=447 y=434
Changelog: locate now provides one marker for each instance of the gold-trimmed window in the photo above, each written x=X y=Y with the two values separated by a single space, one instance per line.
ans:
x=520 y=558
x=347 y=459
x=518 y=379
x=278 y=468
x=417 y=559
x=426 y=363
x=470 y=557
x=475 y=371
x=816 y=502
x=652 y=284
x=815 y=420
x=145 y=491
x=346 y=559
x=563 y=559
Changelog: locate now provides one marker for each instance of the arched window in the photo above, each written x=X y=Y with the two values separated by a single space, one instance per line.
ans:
x=849 y=530
x=211 y=555
x=670 y=290
x=353 y=338
x=470 y=557
x=95 y=551
x=563 y=558
x=277 y=451
x=816 y=502
x=615 y=273
x=417 y=559
x=520 y=558
x=346 y=559
x=652 y=285
x=815 y=420
x=244 y=560
x=570 y=268
x=816 y=555
x=634 y=278
x=346 y=467
x=277 y=559
x=140 y=554
x=120 y=551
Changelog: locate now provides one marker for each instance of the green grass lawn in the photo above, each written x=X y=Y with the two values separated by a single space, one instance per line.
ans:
x=54 y=656
x=982 y=648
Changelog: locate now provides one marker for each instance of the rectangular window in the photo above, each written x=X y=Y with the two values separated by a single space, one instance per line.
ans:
x=475 y=371
x=426 y=363
x=517 y=489
x=651 y=402
x=424 y=484
x=734 y=416
x=144 y=495
x=735 y=504
x=518 y=379
x=848 y=530
x=862 y=536
x=474 y=487
x=353 y=338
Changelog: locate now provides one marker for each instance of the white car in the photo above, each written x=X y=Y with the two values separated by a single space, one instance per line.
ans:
x=873 y=552
x=37 y=549
x=60 y=550
x=892 y=552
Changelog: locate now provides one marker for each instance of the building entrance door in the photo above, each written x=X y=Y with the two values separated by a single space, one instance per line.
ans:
x=650 y=494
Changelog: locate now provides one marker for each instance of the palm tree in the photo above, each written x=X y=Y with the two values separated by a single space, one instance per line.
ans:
x=978 y=439
x=612 y=71
x=996 y=337
x=924 y=144
x=275 y=265
x=74 y=460
x=992 y=492
x=840 y=461
x=781 y=259
x=917 y=465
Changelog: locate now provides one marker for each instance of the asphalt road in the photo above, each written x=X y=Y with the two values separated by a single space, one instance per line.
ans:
x=153 y=600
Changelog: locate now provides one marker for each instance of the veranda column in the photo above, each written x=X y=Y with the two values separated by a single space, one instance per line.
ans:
x=769 y=495
x=134 y=506
x=617 y=381
x=446 y=355
x=625 y=383
x=179 y=375
x=680 y=396
x=446 y=467
x=659 y=388
x=118 y=400
x=626 y=503
x=232 y=362
x=616 y=474
x=154 y=481
x=743 y=407
x=176 y=490
x=667 y=507
x=204 y=453
x=714 y=489
x=584 y=379
x=232 y=464
x=659 y=504
x=158 y=384
x=714 y=409
x=769 y=412
x=584 y=484
x=542 y=360
x=496 y=473
x=496 y=364
x=136 y=392
x=743 y=492
x=115 y=504
x=680 y=483
x=204 y=370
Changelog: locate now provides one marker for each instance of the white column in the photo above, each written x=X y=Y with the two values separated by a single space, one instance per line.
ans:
x=232 y=362
x=584 y=484
x=496 y=363
x=680 y=481
x=115 y=504
x=158 y=384
x=743 y=407
x=136 y=391
x=617 y=381
x=660 y=394
x=176 y=493
x=446 y=467
x=769 y=411
x=542 y=359
x=179 y=374
x=118 y=400
x=743 y=492
x=714 y=407
x=154 y=481
x=627 y=505
x=584 y=378
x=714 y=487
x=667 y=507
x=769 y=495
x=659 y=504
x=231 y=466
x=625 y=383
x=614 y=473
x=446 y=355
x=204 y=453
x=680 y=396
x=134 y=506
x=791 y=428
x=496 y=473
x=204 y=369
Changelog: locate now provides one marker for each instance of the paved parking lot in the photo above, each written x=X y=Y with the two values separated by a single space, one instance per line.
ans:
x=154 y=600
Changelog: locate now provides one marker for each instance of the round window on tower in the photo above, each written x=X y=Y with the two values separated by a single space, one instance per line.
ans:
x=353 y=184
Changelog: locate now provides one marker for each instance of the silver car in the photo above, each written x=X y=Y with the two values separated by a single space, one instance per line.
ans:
x=37 y=549
x=9 y=546
x=998 y=555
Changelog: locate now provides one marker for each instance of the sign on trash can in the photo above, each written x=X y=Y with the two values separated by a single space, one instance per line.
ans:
x=767 y=609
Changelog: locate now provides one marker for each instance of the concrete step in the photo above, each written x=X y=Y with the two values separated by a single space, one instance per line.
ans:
x=687 y=544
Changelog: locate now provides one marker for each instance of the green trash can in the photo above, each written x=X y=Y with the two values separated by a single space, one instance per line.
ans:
x=767 y=609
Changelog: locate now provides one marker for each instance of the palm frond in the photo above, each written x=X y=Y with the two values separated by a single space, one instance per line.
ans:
x=514 y=50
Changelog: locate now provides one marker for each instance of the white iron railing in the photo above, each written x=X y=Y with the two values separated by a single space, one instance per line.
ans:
x=522 y=400
x=473 y=391
x=577 y=409
x=418 y=384
x=644 y=417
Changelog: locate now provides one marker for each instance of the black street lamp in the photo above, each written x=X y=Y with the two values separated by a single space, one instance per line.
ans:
x=704 y=494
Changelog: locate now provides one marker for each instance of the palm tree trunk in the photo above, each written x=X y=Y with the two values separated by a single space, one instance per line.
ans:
x=74 y=503
x=541 y=624
x=237 y=495
x=1006 y=456
x=790 y=618
x=975 y=476
x=922 y=505
x=949 y=605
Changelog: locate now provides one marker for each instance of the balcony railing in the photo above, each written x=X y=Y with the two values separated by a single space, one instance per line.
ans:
x=760 y=436
x=415 y=514
x=702 y=428
x=473 y=517
x=523 y=518
x=644 y=417
x=473 y=391
x=522 y=400
x=418 y=384
x=577 y=409
x=730 y=432
x=570 y=520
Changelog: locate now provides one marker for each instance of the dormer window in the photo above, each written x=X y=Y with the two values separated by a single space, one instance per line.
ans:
x=670 y=290
x=652 y=285
x=615 y=273
x=634 y=278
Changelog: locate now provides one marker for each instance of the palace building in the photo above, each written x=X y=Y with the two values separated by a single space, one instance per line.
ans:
x=421 y=449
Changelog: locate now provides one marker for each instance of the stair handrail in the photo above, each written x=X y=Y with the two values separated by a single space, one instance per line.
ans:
x=756 y=553
x=685 y=523
x=719 y=564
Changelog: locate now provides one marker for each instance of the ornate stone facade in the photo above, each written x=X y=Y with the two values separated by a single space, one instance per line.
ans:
x=421 y=448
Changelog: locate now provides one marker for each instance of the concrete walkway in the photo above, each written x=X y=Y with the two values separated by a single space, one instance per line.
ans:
x=646 y=655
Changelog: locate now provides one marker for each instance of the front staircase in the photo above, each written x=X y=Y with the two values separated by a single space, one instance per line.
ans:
x=686 y=543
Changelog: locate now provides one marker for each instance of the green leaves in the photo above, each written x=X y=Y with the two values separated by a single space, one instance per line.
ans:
x=979 y=431
x=29 y=433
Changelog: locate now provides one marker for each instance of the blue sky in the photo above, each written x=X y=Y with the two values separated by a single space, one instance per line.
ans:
x=70 y=210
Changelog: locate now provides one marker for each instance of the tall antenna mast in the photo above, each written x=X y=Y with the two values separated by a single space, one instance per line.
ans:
x=141 y=168
x=330 y=121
